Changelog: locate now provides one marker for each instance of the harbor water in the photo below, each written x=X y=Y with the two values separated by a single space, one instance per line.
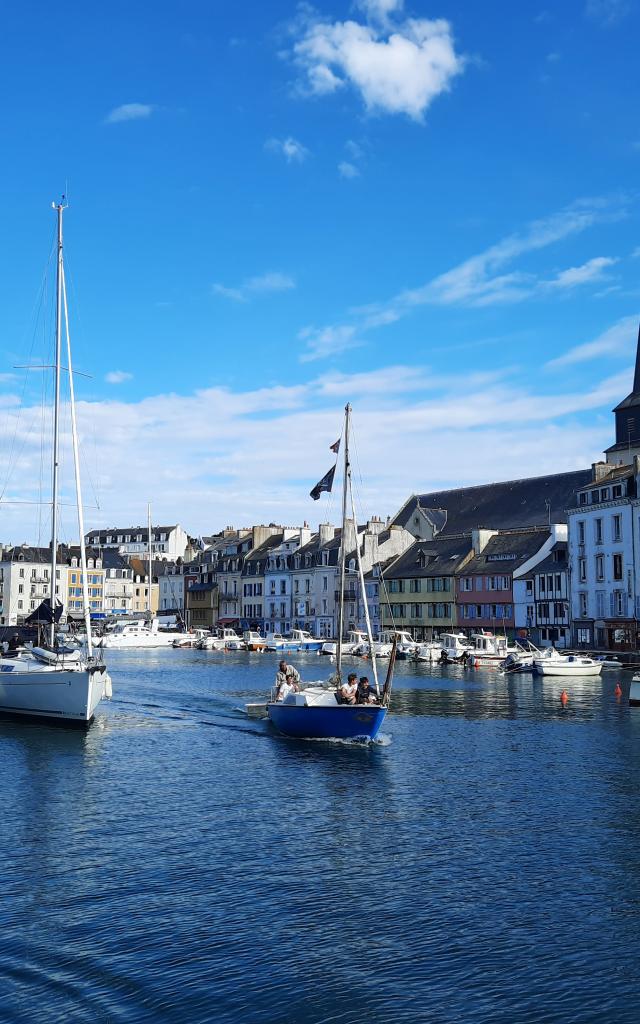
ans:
x=178 y=862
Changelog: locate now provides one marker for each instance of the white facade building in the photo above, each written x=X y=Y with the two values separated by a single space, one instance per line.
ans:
x=167 y=542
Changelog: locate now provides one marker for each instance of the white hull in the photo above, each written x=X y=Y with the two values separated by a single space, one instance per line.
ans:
x=634 y=692
x=135 y=642
x=61 y=695
x=566 y=668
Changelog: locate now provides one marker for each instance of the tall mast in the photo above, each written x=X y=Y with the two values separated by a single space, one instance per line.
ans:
x=76 y=463
x=343 y=549
x=56 y=426
x=149 y=553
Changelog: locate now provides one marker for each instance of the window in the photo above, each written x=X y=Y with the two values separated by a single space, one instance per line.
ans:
x=414 y=586
x=617 y=567
x=581 y=532
x=595 y=497
x=582 y=600
x=325 y=583
x=617 y=491
x=604 y=494
x=416 y=611
x=584 y=636
x=478 y=582
x=600 y=596
x=619 y=602
x=598 y=530
x=582 y=567
x=466 y=583
x=529 y=586
x=296 y=586
x=582 y=498
x=599 y=567
x=558 y=582
x=616 y=528
x=543 y=583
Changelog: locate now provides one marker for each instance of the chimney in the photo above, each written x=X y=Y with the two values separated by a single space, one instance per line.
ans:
x=480 y=539
x=350 y=536
x=327 y=532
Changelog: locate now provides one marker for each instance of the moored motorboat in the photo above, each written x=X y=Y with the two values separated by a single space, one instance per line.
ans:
x=552 y=663
x=253 y=640
x=355 y=639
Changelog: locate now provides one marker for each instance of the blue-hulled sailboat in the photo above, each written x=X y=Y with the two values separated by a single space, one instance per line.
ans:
x=314 y=712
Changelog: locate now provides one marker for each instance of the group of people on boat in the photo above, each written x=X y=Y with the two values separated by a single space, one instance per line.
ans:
x=351 y=691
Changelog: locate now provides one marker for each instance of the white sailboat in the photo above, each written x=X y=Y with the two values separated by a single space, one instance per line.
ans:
x=141 y=633
x=50 y=682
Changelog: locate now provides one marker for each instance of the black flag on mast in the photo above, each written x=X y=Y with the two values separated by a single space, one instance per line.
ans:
x=335 y=447
x=323 y=485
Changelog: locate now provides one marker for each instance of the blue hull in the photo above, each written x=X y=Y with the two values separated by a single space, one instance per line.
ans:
x=344 y=722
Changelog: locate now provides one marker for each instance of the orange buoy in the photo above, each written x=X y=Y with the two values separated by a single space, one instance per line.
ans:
x=618 y=690
x=564 y=698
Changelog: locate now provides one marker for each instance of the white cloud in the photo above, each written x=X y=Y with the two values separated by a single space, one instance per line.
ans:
x=607 y=12
x=348 y=170
x=219 y=468
x=273 y=281
x=397 y=67
x=327 y=341
x=292 y=150
x=619 y=339
x=486 y=279
x=117 y=377
x=380 y=9
x=592 y=270
x=129 y=112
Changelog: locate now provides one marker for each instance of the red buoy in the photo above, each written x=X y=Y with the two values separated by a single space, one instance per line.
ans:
x=564 y=698
x=618 y=690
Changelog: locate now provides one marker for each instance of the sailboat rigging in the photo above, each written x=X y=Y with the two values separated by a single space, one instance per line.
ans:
x=52 y=682
x=316 y=712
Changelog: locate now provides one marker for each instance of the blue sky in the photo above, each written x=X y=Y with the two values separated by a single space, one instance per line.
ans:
x=428 y=209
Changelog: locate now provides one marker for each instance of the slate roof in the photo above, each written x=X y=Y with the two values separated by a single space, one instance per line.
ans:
x=430 y=558
x=494 y=557
x=506 y=505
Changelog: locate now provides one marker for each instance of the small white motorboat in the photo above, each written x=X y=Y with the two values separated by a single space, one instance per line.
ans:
x=554 y=664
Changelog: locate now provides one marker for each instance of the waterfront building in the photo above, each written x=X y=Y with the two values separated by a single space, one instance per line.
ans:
x=421 y=587
x=167 y=542
x=551 y=620
x=604 y=539
x=314 y=568
x=228 y=564
x=24 y=581
x=603 y=559
x=119 y=587
x=253 y=584
x=73 y=582
x=202 y=605
x=485 y=592
x=283 y=610
x=173 y=580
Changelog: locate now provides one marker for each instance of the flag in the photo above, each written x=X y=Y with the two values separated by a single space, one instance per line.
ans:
x=323 y=485
x=335 y=447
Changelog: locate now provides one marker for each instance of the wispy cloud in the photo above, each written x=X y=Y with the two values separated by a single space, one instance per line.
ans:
x=327 y=341
x=397 y=66
x=348 y=170
x=617 y=340
x=129 y=112
x=607 y=12
x=292 y=150
x=592 y=270
x=487 y=279
x=274 y=281
x=117 y=377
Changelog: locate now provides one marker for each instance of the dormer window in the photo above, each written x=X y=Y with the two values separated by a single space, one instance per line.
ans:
x=595 y=497
x=582 y=498
x=604 y=494
x=617 y=491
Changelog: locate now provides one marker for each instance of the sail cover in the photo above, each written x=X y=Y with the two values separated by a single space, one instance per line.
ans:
x=43 y=615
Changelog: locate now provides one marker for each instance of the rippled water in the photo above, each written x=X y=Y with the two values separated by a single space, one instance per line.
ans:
x=179 y=862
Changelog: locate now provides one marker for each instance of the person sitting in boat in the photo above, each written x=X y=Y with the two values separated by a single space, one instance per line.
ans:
x=348 y=691
x=287 y=679
x=364 y=693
